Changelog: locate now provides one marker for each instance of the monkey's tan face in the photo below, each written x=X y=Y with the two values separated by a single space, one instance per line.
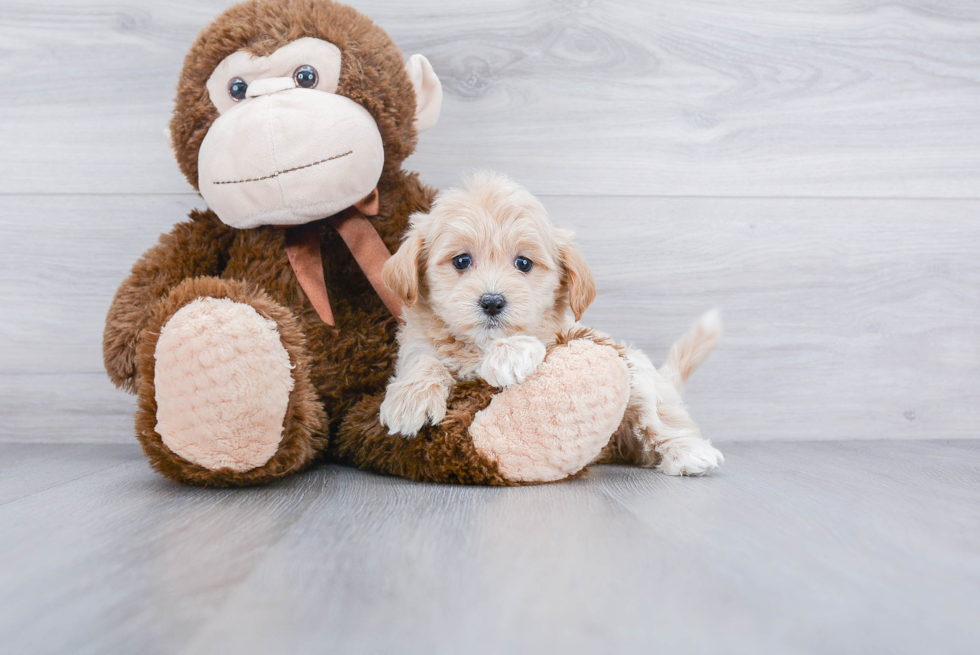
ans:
x=286 y=148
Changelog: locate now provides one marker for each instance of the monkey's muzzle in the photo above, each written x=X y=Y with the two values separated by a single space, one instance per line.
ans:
x=289 y=158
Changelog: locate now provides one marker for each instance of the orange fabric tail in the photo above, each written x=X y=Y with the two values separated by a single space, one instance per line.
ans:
x=303 y=250
x=369 y=251
x=364 y=242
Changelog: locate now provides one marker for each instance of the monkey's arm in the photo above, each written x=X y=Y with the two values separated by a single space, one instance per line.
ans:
x=193 y=248
x=547 y=428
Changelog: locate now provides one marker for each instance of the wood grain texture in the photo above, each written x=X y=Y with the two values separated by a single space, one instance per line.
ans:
x=844 y=319
x=139 y=560
x=26 y=469
x=853 y=319
x=849 y=547
x=666 y=97
x=61 y=260
x=65 y=408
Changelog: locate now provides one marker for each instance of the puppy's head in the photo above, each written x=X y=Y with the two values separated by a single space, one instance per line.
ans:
x=488 y=262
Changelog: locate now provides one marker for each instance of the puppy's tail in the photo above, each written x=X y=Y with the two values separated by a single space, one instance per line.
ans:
x=692 y=349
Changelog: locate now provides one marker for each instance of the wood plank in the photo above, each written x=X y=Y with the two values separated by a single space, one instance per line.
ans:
x=124 y=561
x=845 y=318
x=29 y=468
x=65 y=408
x=793 y=547
x=850 y=98
x=61 y=260
x=823 y=547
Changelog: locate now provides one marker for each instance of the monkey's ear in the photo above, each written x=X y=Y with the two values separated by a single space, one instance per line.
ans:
x=578 y=277
x=401 y=271
x=428 y=91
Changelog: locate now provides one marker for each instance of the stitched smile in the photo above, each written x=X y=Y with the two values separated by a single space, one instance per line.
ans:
x=288 y=170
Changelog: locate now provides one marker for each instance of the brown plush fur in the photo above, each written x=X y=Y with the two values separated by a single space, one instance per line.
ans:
x=443 y=453
x=337 y=366
x=304 y=414
x=372 y=70
x=196 y=247
x=340 y=370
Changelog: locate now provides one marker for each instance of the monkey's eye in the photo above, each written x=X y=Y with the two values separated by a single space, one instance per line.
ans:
x=462 y=262
x=306 y=77
x=237 y=88
x=523 y=264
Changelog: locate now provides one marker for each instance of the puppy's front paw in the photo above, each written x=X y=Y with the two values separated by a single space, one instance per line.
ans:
x=408 y=405
x=510 y=361
x=689 y=457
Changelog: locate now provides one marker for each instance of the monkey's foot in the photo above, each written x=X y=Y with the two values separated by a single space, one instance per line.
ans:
x=556 y=422
x=224 y=396
x=222 y=385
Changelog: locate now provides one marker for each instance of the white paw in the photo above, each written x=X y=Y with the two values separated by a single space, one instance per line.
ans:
x=689 y=458
x=510 y=361
x=409 y=405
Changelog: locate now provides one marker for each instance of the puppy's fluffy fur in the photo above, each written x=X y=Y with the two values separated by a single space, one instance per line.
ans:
x=449 y=335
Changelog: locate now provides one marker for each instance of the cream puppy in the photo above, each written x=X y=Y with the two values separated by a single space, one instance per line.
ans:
x=487 y=283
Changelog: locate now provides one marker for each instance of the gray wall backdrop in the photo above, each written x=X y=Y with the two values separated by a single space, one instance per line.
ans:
x=812 y=168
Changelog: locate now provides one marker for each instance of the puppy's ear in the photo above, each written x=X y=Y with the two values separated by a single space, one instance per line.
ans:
x=401 y=272
x=578 y=277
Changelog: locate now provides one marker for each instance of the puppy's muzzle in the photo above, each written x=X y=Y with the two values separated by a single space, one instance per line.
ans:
x=492 y=303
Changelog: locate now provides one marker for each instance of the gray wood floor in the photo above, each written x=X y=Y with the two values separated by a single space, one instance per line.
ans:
x=846 y=547
x=811 y=168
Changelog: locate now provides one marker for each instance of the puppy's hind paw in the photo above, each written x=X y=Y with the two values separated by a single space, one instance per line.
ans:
x=689 y=458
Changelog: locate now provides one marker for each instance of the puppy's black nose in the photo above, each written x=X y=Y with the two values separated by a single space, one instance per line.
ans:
x=492 y=303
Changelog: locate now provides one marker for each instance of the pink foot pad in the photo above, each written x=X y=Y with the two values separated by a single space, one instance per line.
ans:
x=556 y=422
x=222 y=382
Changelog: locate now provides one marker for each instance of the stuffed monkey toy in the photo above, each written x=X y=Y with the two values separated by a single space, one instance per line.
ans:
x=257 y=335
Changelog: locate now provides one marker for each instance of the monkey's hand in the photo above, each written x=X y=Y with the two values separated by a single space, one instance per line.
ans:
x=416 y=396
x=511 y=360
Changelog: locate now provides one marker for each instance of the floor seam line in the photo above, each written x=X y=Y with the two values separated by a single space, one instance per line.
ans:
x=62 y=483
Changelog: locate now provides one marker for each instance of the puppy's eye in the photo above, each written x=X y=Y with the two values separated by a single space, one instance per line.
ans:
x=306 y=77
x=462 y=262
x=523 y=264
x=237 y=88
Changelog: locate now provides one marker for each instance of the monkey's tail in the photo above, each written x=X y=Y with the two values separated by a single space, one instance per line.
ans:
x=692 y=349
